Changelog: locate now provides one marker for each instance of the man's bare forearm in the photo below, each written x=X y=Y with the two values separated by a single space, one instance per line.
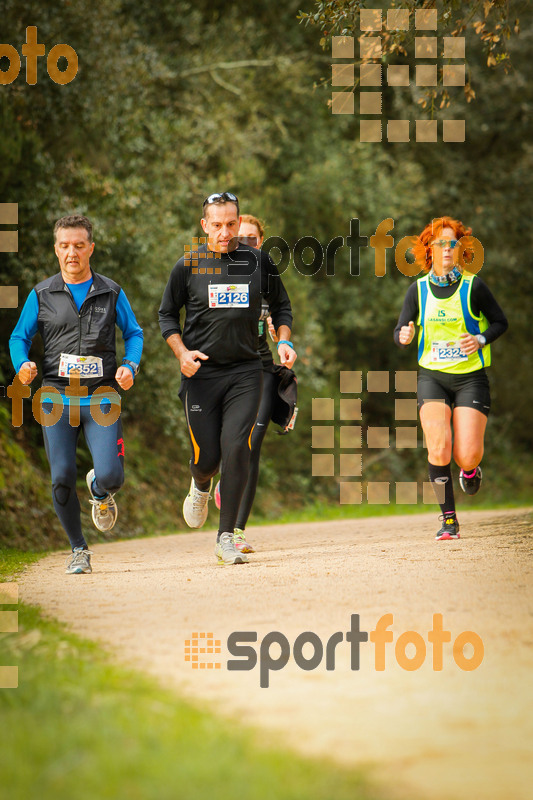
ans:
x=175 y=342
x=284 y=332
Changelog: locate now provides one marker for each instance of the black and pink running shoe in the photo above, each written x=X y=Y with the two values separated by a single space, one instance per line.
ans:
x=450 y=528
x=470 y=481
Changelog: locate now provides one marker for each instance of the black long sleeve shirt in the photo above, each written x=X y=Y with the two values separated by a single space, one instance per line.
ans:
x=227 y=334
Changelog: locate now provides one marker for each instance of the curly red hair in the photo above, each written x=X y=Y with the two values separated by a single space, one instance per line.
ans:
x=421 y=249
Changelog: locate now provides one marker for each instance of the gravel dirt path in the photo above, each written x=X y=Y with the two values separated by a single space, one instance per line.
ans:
x=443 y=735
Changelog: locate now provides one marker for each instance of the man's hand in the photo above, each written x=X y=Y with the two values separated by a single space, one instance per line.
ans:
x=124 y=377
x=189 y=364
x=468 y=344
x=287 y=356
x=407 y=333
x=27 y=372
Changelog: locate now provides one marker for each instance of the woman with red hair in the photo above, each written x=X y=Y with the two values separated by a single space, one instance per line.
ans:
x=458 y=319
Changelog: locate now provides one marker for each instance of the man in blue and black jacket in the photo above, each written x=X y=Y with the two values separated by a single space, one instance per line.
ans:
x=75 y=312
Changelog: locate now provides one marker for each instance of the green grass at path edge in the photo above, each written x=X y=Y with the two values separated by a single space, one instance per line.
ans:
x=322 y=512
x=13 y=561
x=79 y=727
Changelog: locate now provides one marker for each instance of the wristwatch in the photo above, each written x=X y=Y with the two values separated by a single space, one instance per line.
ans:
x=132 y=364
x=481 y=339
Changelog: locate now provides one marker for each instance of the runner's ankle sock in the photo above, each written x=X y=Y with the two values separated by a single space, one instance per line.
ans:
x=443 y=476
x=202 y=487
x=96 y=493
x=470 y=474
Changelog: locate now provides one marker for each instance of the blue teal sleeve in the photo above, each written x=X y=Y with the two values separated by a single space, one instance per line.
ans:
x=24 y=331
x=131 y=330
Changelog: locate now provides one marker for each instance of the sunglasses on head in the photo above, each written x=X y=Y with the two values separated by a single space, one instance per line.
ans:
x=445 y=243
x=221 y=197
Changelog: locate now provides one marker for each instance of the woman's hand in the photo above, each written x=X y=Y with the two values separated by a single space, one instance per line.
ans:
x=407 y=333
x=468 y=344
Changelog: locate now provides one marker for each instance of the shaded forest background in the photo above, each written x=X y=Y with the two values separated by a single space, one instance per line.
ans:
x=175 y=100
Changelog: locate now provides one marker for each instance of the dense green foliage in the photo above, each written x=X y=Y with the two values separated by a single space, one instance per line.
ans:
x=176 y=100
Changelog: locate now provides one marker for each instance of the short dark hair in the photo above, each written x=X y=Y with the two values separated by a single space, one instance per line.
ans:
x=75 y=221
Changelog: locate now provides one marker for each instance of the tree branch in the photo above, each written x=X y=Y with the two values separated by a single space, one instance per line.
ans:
x=228 y=65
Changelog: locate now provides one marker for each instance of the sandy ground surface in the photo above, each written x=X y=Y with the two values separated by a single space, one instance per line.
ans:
x=450 y=734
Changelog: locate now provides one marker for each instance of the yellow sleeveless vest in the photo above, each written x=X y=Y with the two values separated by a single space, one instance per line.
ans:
x=441 y=323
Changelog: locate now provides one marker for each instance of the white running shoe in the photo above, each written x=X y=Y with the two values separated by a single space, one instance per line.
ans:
x=105 y=511
x=195 y=506
x=226 y=552
x=80 y=562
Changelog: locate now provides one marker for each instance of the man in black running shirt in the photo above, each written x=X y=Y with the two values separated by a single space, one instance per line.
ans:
x=221 y=372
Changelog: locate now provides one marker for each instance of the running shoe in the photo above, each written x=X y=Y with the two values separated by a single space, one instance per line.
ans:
x=226 y=552
x=105 y=511
x=470 y=484
x=240 y=541
x=195 y=506
x=450 y=528
x=80 y=562
x=217 y=495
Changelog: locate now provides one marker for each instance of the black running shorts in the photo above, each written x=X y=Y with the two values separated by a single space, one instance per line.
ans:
x=469 y=390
